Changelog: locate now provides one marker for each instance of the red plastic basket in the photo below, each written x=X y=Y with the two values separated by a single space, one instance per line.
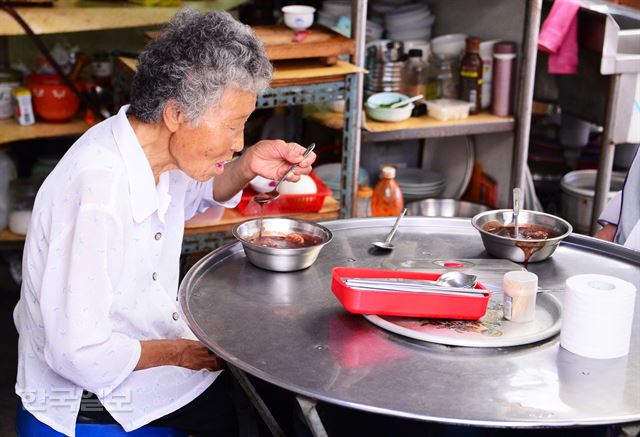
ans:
x=286 y=203
x=402 y=303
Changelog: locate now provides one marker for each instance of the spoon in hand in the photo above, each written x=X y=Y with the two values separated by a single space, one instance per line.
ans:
x=274 y=194
x=386 y=244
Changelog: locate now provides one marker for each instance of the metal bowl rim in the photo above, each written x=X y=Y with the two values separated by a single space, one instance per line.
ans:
x=281 y=251
x=474 y=223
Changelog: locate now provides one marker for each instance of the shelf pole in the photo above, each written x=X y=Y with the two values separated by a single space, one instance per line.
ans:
x=607 y=151
x=353 y=114
x=525 y=96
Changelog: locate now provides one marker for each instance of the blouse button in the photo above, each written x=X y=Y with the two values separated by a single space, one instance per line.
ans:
x=158 y=235
x=175 y=316
x=154 y=276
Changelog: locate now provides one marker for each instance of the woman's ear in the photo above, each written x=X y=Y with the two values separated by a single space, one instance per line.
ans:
x=172 y=115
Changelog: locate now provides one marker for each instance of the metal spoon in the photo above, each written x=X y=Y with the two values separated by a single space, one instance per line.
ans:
x=406 y=102
x=274 y=194
x=516 y=209
x=386 y=244
x=449 y=279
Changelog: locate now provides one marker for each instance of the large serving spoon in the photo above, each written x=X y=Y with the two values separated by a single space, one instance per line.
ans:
x=386 y=244
x=274 y=194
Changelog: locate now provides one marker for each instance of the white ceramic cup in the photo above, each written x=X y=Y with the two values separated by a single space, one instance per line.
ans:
x=298 y=17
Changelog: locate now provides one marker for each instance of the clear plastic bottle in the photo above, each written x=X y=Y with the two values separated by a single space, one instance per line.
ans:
x=446 y=76
x=415 y=74
x=7 y=172
x=363 y=197
x=387 y=197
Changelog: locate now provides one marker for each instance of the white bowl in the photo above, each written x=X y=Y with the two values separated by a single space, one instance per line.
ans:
x=387 y=114
x=298 y=17
x=449 y=45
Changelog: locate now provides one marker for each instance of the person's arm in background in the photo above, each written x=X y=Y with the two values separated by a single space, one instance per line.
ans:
x=609 y=219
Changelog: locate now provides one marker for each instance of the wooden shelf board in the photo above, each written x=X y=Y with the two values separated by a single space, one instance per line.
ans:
x=10 y=130
x=322 y=42
x=79 y=15
x=287 y=73
x=231 y=217
x=421 y=127
x=6 y=236
x=330 y=210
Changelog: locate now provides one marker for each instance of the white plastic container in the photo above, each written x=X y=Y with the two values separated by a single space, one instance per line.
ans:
x=486 y=53
x=448 y=109
x=520 y=290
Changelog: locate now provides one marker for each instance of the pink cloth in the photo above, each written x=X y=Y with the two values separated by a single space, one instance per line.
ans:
x=559 y=37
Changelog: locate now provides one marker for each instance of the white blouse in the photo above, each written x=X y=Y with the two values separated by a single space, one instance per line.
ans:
x=100 y=273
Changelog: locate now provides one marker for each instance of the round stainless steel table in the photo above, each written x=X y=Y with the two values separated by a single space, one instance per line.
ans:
x=289 y=329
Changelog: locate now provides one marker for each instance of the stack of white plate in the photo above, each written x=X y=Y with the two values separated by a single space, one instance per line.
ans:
x=409 y=22
x=330 y=175
x=418 y=183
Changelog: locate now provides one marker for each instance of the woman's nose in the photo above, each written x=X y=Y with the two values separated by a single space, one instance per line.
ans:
x=238 y=144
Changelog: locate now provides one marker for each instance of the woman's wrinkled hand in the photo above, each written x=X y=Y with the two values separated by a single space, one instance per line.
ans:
x=194 y=355
x=272 y=158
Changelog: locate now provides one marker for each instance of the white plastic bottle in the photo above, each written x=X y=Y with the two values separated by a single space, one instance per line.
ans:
x=7 y=172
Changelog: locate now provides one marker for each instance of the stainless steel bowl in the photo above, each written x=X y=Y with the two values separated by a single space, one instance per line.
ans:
x=444 y=208
x=505 y=247
x=281 y=260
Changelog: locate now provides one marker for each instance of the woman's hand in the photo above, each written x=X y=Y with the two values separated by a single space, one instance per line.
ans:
x=196 y=356
x=190 y=354
x=272 y=158
x=607 y=233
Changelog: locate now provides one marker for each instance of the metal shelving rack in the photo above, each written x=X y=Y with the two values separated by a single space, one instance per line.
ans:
x=484 y=125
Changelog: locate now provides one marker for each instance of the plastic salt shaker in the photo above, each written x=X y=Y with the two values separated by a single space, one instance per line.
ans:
x=520 y=289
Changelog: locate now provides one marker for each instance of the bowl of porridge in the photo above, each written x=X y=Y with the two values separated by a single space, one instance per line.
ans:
x=282 y=244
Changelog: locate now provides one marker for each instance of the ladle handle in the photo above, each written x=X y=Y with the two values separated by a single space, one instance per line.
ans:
x=516 y=208
x=395 y=227
x=304 y=155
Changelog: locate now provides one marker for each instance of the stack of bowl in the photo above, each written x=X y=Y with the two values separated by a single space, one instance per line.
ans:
x=418 y=183
x=409 y=22
x=384 y=62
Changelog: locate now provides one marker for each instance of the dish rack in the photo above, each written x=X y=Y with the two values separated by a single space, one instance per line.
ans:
x=286 y=203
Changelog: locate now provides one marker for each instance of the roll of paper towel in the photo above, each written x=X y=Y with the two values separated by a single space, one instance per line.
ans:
x=597 y=316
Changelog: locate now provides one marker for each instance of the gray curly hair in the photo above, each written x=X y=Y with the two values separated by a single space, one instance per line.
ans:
x=195 y=58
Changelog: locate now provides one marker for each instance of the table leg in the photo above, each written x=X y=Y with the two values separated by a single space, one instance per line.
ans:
x=257 y=401
x=311 y=416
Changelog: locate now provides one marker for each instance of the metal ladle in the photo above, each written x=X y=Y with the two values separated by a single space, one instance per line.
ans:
x=386 y=244
x=274 y=194
x=516 y=210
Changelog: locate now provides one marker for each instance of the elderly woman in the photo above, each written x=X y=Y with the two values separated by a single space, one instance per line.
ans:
x=98 y=312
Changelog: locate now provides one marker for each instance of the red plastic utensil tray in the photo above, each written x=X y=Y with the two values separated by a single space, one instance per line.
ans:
x=403 y=303
x=286 y=203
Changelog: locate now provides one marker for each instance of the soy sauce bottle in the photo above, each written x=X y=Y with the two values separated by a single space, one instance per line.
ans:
x=471 y=76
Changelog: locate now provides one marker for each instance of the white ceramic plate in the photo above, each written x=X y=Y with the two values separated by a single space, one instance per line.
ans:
x=489 y=331
x=452 y=157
